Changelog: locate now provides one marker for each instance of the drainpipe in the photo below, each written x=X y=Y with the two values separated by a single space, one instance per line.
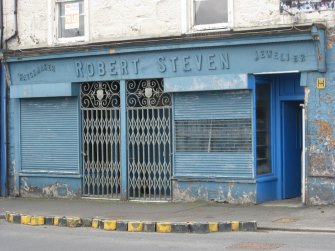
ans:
x=3 y=101
x=3 y=158
x=3 y=137
x=1 y=24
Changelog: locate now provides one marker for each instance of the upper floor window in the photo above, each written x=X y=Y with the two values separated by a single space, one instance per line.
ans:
x=70 y=20
x=211 y=14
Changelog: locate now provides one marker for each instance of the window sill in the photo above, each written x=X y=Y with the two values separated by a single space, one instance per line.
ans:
x=70 y=40
x=200 y=31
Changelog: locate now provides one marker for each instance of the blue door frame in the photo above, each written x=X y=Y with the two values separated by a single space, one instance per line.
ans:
x=286 y=95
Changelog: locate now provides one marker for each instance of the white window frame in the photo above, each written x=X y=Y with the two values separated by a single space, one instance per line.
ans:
x=188 y=26
x=53 y=24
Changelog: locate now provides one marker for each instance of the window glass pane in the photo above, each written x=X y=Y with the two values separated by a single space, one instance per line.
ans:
x=221 y=135
x=210 y=11
x=71 y=19
x=263 y=126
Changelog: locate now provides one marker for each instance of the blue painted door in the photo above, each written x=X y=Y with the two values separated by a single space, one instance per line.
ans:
x=291 y=148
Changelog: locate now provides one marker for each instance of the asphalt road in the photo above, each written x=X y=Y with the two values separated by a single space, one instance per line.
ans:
x=21 y=237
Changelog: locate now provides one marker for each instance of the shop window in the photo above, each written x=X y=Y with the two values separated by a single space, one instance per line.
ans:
x=70 y=20
x=213 y=135
x=210 y=14
x=263 y=124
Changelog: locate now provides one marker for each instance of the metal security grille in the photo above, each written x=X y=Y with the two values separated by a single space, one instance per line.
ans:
x=149 y=140
x=100 y=105
x=213 y=135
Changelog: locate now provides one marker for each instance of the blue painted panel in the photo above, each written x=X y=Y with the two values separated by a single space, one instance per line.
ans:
x=266 y=190
x=124 y=129
x=49 y=135
x=213 y=105
x=42 y=90
x=303 y=79
x=213 y=165
x=169 y=62
x=206 y=83
x=289 y=85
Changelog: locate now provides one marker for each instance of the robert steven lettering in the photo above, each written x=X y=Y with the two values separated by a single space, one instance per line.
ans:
x=162 y=64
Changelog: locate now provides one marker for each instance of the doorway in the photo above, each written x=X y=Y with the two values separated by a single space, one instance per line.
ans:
x=148 y=125
x=278 y=136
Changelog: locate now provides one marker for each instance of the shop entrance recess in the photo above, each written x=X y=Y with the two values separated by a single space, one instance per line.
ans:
x=278 y=136
x=126 y=134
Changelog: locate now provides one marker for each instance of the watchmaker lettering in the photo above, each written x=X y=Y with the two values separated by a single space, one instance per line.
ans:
x=279 y=56
x=38 y=70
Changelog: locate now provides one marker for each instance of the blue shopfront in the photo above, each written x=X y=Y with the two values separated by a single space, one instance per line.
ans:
x=193 y=119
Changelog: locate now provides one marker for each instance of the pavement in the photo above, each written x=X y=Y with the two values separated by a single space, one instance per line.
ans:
x=289 y=215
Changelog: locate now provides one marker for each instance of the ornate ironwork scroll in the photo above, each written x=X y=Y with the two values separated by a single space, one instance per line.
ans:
x=100 y=103
x=147 y=93
x=149 y=140
x=100 y=95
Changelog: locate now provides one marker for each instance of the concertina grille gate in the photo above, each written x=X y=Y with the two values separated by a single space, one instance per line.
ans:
x=149 y=156
x=100 y=105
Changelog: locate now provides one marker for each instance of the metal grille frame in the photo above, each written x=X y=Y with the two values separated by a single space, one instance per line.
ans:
x=100 y=107
x=149 y=115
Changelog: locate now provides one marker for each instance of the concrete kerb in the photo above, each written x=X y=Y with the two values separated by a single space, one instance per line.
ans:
x=129 y=225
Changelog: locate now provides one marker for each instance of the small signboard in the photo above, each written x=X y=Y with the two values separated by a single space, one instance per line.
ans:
x=321 y=83
x=71 y=16
x=294 y=6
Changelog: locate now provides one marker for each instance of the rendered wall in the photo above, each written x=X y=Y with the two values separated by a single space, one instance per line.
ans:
x=320 y=133
x=131 y=19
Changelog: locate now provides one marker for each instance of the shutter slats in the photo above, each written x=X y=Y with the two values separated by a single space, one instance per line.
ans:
x=213 y=105
x=49 y=134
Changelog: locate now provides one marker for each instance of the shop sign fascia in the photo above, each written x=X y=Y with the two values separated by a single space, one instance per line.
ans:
x=235 y=57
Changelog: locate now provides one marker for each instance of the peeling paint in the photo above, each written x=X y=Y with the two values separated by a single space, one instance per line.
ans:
x=321 y=164
x=58 y=190
x=320 y=182
x=307 y=93
x=331 y=38
x=12 y=179
x=328 y=97
x=224 y=192
x=320 y=191
x=55 y=190
x=324 y=135
x=26 y=189
x=325 y=129
x=320 y=158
